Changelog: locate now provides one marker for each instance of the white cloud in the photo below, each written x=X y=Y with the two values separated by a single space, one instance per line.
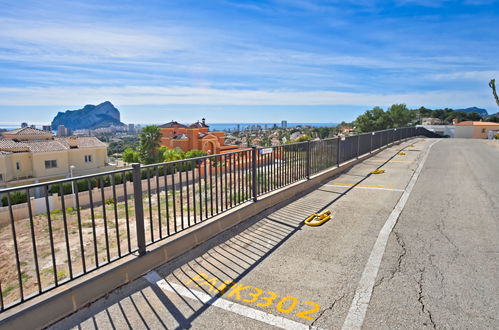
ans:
x=61 y=42
x=484 y=76
x=150 y=95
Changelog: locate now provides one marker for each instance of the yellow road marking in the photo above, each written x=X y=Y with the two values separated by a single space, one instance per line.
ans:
x=360 y=185
x=364 y=186
x=391 y=160
x=262 y=298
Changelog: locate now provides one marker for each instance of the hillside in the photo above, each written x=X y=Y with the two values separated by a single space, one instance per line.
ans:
x=90 y=117
x=480 y=111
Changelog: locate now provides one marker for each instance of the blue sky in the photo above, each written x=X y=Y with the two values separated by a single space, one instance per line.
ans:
x=244 y=61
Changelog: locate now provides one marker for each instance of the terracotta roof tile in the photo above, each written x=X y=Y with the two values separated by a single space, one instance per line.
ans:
x=27 y=131
x=56 y=144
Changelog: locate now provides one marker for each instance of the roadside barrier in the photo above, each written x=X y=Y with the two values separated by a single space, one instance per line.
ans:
x=56 y=232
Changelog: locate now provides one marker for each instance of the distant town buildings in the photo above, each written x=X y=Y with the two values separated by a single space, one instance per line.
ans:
x=64 y=131
x=29 y=155
x=431 y=121
x=195 y=136
x=284 y=124
x=47 y=128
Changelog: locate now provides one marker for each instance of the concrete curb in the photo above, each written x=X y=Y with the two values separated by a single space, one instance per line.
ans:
x=47 y=309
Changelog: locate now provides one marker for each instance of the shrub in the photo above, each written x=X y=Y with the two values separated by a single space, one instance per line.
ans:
x=17 y=197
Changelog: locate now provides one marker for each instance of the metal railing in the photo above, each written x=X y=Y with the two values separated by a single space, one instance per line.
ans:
x=80 y=224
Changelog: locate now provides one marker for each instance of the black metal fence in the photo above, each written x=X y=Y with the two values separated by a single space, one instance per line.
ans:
x=81 y=224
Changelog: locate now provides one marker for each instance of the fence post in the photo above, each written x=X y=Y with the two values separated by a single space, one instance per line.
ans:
x=139 y=208
x=254 y=182
x=308 y=160
x=338 y=152
x=372 y=134
x=358 y=146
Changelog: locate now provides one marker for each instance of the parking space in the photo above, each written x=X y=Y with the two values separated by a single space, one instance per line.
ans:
x=272 y=270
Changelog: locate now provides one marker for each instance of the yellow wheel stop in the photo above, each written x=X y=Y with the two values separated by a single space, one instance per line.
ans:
x=378 y=171
x=316 y=220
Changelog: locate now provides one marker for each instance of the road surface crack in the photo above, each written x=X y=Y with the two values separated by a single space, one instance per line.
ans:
x=327 y=309
x=400 y=258
x=424 y=309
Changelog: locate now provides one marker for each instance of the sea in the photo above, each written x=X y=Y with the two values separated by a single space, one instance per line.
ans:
x=222 y=126
x=242 y=126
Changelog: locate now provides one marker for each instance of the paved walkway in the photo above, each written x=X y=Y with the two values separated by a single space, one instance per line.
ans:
x=439 y=269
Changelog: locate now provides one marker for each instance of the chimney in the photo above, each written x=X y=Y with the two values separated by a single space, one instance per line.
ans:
x=454 y=121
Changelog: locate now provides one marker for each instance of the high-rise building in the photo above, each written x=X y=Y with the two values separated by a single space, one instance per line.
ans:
x=131 y=128
x=61 y=130
x=47 y=128
x=284 y=124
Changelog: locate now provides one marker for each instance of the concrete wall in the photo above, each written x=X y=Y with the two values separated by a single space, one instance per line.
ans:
x=464 y=132
x=449 y=130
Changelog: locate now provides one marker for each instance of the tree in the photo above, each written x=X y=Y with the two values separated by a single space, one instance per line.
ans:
x=150 y=137
x=494 y=119
x=373 y=120
x=492 y=84
x=400 y=116
x=130 y=156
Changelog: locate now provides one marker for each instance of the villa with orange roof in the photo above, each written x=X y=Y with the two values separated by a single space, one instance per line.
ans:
x=195 y=136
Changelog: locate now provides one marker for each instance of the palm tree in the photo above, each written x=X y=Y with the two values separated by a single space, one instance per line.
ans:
x=150 y=139
x=492 y=84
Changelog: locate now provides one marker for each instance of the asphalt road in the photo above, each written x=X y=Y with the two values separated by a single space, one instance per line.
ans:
x=440 y=267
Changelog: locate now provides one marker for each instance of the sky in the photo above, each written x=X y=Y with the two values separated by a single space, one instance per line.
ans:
x=244 y=61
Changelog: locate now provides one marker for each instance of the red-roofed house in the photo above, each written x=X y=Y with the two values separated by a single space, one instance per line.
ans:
x=194 y=136
x=475 y=129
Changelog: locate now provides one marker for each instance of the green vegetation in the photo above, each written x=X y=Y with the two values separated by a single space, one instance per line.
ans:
x=17 y=197
x=149 y=146
x=377 y=119
x=398 y=115
x=119 y=147
x=130 y=156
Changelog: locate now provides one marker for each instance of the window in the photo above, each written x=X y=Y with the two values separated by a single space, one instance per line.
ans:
x=483 y=130
x=51 y=164
x=1 y=177
x=88 y=158
x=18 y=166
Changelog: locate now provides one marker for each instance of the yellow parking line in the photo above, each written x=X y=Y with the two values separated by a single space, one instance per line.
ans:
x=361 y=185
x=391 y=160
x=364 y=186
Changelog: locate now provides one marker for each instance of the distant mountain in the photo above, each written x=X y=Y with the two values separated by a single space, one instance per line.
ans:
x=90 y=117
x=481 y=112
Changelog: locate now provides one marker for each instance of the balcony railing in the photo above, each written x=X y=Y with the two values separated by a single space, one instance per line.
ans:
x=81 y=224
